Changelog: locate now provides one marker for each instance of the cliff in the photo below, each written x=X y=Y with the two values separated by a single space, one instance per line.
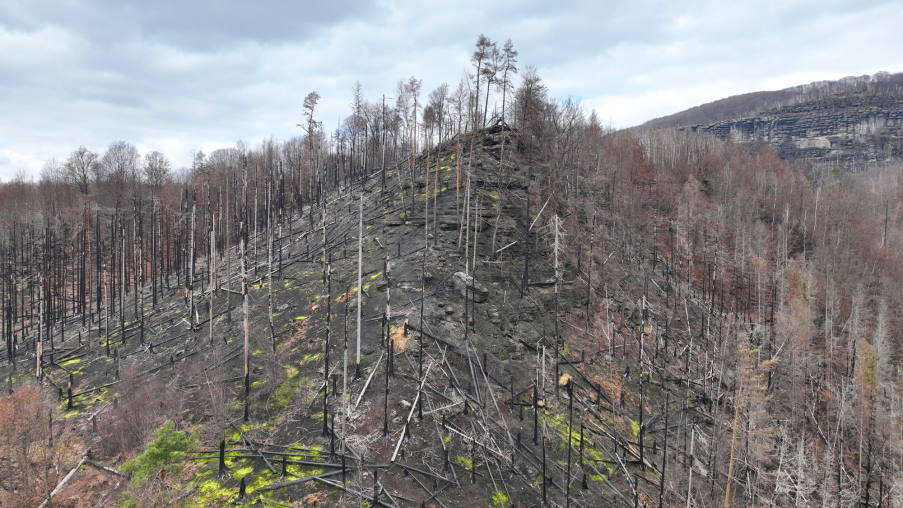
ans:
x=845 y=123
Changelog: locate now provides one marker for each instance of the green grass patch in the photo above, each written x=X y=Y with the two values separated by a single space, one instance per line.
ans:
x=166 y=452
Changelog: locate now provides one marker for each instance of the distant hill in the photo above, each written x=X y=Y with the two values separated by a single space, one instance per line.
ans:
x=845 y=123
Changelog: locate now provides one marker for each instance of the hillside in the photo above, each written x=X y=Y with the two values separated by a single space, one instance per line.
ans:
x=461 y=395
x=844 y=123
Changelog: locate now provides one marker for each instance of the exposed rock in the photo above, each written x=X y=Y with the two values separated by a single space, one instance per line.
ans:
x=841 y=123
x=477 y=290
x=838 y=129
x=494 y=316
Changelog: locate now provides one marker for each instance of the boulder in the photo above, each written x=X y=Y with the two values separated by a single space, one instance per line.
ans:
x=466 y=282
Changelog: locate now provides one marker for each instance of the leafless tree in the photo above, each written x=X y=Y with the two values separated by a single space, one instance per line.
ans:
x=120 y=162
x=81 y=165
x=156 y=169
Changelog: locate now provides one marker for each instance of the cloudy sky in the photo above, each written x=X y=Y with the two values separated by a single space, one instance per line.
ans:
x=188 y=75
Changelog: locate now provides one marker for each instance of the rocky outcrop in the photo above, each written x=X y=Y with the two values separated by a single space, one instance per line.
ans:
x=470 y=287
x=847 y=124
x=842 y=131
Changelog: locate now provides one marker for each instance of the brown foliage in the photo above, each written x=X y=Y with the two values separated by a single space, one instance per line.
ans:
x=37 y=447
x=143 y=404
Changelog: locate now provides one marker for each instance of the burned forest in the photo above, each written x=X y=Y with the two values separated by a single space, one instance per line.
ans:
x=478 y=296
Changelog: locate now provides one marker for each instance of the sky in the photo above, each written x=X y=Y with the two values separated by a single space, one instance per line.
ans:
x=179 y=76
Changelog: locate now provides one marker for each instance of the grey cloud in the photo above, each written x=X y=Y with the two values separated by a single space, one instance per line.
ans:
x=179 y=76
x=201 y=25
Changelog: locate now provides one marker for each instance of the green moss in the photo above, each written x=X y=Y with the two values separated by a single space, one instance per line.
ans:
x=285 y=392
x=309 y=357
x=248 y=427
x=241 y=472
x=559 y=424
x=634 y=427
x=258 y=384
x=164 y=453
x=127 y=500
x=303 y=470
x=465 y=462
x=73 y=361
x=592 y=453
x=211 y=493
x=84 y=402
x=262 y=479
x=500 y=499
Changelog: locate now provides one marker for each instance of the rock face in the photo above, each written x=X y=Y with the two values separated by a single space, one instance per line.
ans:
x=845 y=124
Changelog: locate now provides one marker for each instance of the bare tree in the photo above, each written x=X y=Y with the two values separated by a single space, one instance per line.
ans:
x=79 y=167
x=120 y=163
x=53 y=171
x=156 y=169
